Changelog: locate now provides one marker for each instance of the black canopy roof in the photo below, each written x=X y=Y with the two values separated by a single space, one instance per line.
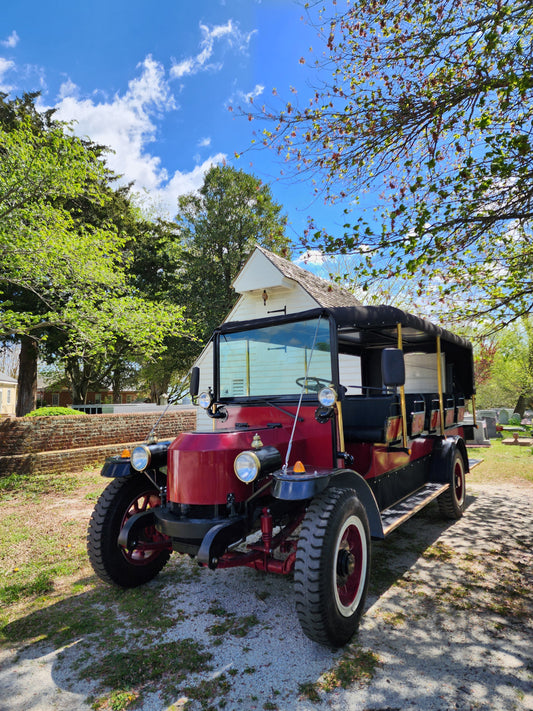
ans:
x=378 y=321
x=360 y=328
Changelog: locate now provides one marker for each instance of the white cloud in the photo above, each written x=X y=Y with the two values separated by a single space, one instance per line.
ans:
x=204 y=142
x=11 y=41
x=256 y=91
x=240 y=97
x=229 y=33
x=127 y=124
x=68 y=90
x=182 y=69
x=182 y=183
x=312 y=256
x=5 y=66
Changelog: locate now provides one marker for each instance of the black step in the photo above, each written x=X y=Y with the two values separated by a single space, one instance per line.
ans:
x=392 y=517
x=473 y=462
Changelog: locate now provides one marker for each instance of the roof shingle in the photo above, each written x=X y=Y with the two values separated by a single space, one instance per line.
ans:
x=325 y=293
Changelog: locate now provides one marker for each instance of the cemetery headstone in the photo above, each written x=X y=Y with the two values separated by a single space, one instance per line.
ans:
x=503 y=417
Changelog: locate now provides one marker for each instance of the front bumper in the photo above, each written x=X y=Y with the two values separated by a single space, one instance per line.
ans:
x=205 y=538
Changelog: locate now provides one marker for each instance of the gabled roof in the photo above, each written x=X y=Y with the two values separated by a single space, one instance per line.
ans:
x=325 y=293
x=6 y=378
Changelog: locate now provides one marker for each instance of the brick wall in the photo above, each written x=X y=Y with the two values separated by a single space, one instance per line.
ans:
x=44 y=444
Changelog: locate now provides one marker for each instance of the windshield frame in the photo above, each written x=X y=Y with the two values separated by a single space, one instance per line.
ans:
x=266 y=323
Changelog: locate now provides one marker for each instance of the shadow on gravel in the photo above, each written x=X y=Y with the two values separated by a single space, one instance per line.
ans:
x=455 y=631
x=395 y=555
x=231 y=638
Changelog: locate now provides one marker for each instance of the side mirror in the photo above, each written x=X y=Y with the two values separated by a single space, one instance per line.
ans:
x=195 y=381
x=392 y=367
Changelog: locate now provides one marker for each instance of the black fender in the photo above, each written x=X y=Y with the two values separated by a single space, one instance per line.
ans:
x=288 y=486
x=442 y=458
x=128 y=535
x=117 y=468
x=298 y=487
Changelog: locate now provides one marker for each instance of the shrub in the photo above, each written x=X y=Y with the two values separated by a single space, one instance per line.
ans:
x=53 y=412
x=515 y=419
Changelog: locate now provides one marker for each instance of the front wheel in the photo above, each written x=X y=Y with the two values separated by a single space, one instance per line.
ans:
x=120 y=500
x=452 y=501
x=332 y=567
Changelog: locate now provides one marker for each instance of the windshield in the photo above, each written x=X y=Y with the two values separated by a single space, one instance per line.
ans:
x=269 y=361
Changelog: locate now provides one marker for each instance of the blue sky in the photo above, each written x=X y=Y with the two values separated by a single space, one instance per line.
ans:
x=154 y=81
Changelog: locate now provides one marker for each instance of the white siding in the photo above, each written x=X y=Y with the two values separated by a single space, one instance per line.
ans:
x=253 y=375
x=250 y=305
x=7 y=398
x=258 y=274
x=421 y=372
x=350 y=373
x=258 y=270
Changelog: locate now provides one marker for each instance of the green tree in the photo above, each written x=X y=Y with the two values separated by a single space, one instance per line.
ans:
x=156 y=268
x=62 y=273
x=219 y=227
x=194 y=261
x=125 y=341
x=508 y=370
x=425 y=109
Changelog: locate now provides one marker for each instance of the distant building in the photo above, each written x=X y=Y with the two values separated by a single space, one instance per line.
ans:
x=8 y=395
x=58 y=396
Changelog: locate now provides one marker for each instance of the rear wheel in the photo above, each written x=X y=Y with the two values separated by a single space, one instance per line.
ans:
x=332 y=567
x=452 y=501
x=120 y=500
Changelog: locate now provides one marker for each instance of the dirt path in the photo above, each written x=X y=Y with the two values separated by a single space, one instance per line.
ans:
x=448 y=626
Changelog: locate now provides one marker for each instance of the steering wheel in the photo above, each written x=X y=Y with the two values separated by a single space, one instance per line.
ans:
x=318 y=383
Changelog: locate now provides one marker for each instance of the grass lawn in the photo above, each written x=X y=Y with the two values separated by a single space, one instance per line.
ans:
x=502 y=463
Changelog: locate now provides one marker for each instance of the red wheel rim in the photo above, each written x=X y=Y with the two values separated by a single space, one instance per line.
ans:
x=142 y=502
x=459 y=481
x=351 y=565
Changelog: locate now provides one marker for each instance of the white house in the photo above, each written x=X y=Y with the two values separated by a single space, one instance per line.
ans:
x=8 y=395
x=267 y=285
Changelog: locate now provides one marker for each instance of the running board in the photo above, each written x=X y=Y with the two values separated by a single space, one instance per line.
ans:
x=396 y=515
x=473 y=463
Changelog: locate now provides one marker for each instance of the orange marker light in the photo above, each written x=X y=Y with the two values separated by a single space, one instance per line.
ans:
x=298 y=468
x=126 y=454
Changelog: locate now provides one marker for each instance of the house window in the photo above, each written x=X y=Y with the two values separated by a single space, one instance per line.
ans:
x=55 y=399
x=9 y=396
x=98 y=398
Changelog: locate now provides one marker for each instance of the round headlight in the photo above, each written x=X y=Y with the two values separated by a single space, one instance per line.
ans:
x=205 y=400
x=327 y=397
x=247 y=466
x=140 y=458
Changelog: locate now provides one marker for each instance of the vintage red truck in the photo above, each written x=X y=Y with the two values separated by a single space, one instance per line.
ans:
x=330 y=428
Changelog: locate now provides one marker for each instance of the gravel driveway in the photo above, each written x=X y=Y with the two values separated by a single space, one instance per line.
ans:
x=448 y=626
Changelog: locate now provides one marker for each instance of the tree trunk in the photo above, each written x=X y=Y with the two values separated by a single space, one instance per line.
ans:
x=116 y=385
x=158 y=388
x=79 y=380
x=27 y=378
x=524 y=402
